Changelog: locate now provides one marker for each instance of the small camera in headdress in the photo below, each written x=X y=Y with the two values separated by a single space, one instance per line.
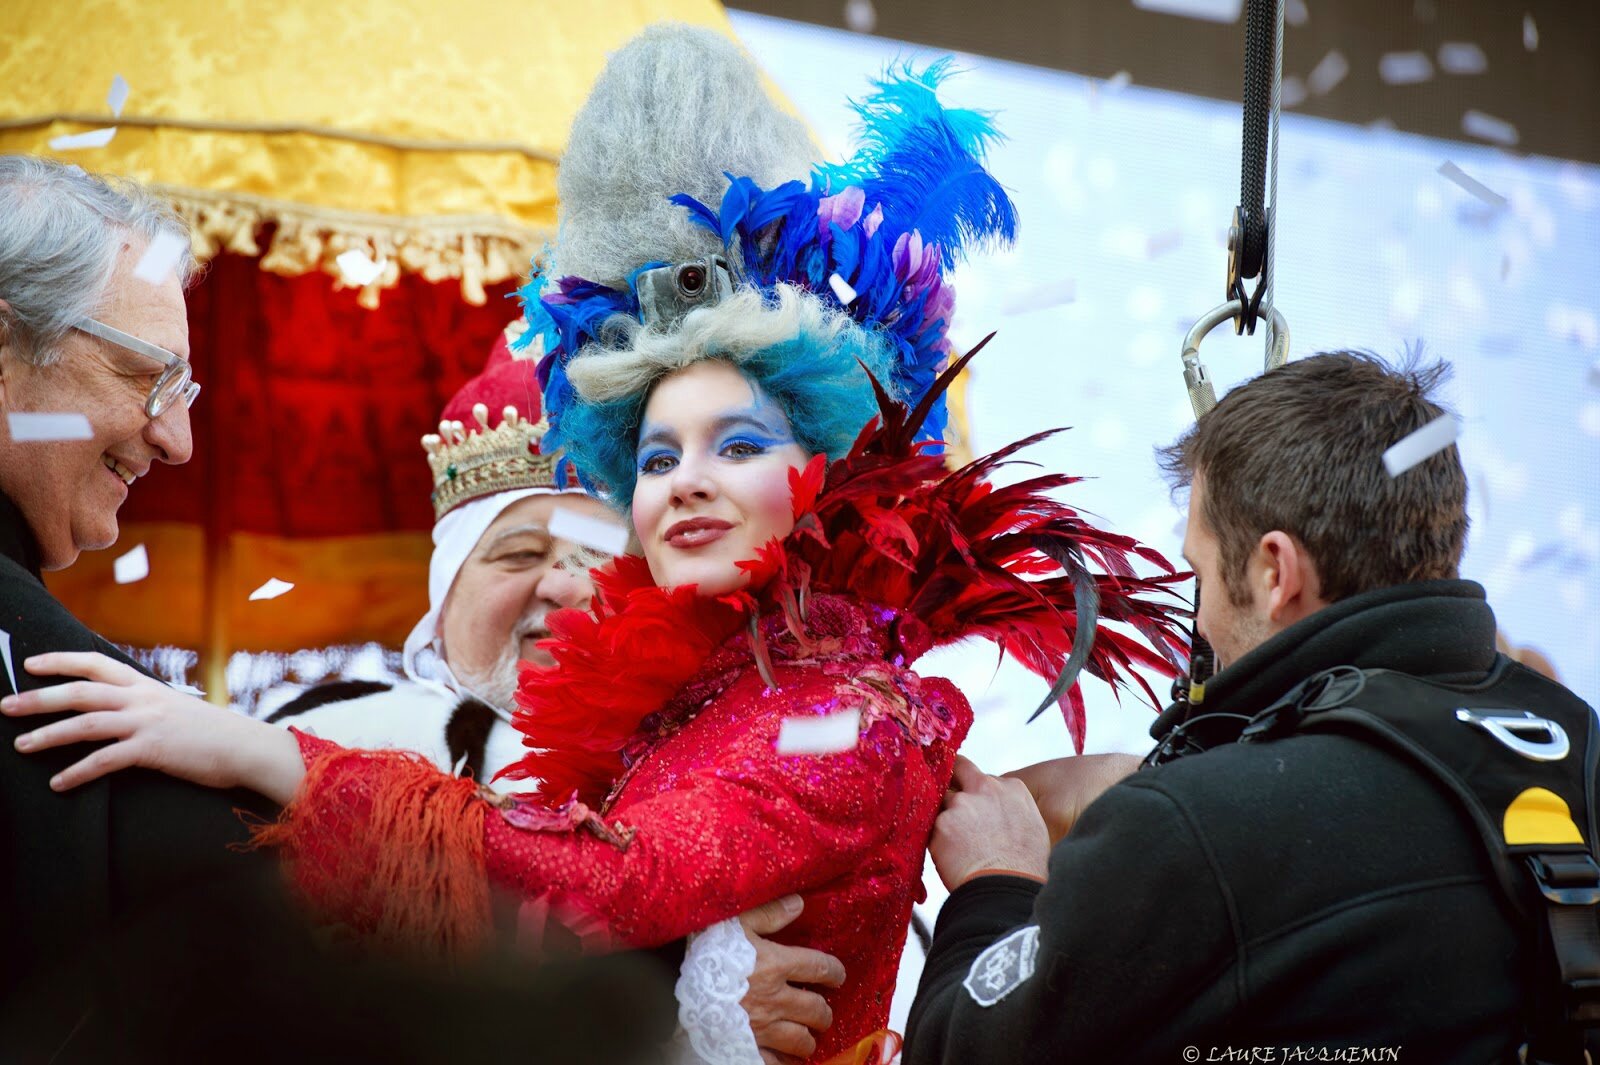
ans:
x=667 y=293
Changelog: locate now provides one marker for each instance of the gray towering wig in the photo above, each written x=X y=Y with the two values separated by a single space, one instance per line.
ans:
x=673 y=108
x=60 y=231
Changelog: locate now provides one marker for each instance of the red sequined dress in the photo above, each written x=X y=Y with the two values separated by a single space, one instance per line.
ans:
x=668 y=801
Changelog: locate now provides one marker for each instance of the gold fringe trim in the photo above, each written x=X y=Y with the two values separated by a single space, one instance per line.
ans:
x=478 y=250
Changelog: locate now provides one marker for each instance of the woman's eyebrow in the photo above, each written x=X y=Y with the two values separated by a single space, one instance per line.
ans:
x=750 y=421
x=656 y=434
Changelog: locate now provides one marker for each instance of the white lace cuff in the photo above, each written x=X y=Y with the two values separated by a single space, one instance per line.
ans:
x=714 y=979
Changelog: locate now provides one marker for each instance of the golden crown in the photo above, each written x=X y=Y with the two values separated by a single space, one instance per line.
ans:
x=480 y=461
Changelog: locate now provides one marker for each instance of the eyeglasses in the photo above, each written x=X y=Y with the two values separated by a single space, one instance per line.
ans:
x=176 y=381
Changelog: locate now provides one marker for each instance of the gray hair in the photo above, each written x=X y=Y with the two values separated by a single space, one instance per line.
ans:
x=673 y=109
x=743 y=324
x=61 y=229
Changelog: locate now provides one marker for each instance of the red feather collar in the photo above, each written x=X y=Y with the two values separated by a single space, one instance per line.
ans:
x=949 y=555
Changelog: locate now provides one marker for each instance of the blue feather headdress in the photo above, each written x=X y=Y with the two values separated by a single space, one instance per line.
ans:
x=873 y=236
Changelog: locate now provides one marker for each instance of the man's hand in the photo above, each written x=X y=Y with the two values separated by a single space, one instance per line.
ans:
x=1064 y=787
x=783 y=1015
x=988 y=823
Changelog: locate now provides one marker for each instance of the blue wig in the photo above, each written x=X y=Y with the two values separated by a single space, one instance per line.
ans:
x=809 y=359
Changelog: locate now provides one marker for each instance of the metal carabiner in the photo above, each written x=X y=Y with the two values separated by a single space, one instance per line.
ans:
x=1202 y=396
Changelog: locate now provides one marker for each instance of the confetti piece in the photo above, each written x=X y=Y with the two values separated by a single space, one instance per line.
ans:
x=820 y=735
x=1487 y=127
x=95 y=138
x=1530 y=34
x=1405 y=68
x=1462 y=57
x=1039 y=297
x=1161 y=243
x=841 y=289
x=1209 y=10
x=1328 y=72
x=5 y=653
x=271 y=590
x=1119 y=81
x=860 y=15
x=1421 y=445
x=1459 y=177
x=117 y=98
x=1292 y=93
x=596 y=533
x=357 y=267
x=1295 y=13
x=33 y=427
x=134 y=566
x=160 y=259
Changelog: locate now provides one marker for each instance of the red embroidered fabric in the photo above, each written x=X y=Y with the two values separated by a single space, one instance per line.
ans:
x=710 y=819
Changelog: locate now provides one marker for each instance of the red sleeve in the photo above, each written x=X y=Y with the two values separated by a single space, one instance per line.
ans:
x=388 y=844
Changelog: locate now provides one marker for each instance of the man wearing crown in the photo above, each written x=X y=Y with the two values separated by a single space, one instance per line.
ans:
x=499 y=568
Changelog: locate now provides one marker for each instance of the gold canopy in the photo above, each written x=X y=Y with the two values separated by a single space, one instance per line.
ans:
x=409 y=129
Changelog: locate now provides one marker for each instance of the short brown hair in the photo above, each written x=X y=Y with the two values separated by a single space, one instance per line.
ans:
x=1300 y=449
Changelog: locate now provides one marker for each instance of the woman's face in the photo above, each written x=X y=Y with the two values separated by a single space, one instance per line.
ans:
x=714 y=457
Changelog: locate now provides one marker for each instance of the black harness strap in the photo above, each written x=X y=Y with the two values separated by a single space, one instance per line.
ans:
x=1471 y=739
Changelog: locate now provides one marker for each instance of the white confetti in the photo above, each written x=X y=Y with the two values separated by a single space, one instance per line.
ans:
x=5 y=653
x=133 y=566
x=95 y=138
x=1295 y=13
x=357 y=267
x=117 y=98
x=1462 y=57
x=604 y=536
x=1328 y=72
x=1119 y=81
x=1038 y=297
x=1292 y=93
x=1487 y=127
x=34 y=427
x=271 y=590
x=1404 y=68
x=820 y=735
x=1421 y=445
x=1209 y=10
x=1530 y=33
x=160 y=259
x=841 y=289
x=1461 y=179
x=860 y=15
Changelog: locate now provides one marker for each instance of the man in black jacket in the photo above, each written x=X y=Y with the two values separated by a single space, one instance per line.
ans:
x=131 y=931
x=83 y=340
x=1312 y=898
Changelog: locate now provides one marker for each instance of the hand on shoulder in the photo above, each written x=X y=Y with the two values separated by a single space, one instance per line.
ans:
x=151 y=725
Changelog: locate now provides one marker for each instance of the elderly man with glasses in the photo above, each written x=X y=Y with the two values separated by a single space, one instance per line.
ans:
x=82 y=336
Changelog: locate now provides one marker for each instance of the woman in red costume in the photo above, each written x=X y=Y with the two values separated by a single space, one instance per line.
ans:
x=736 y=718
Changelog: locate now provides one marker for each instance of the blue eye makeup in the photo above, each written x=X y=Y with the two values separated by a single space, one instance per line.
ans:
x=739 y=434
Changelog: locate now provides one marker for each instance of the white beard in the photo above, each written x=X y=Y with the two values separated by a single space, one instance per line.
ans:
x=497 y=685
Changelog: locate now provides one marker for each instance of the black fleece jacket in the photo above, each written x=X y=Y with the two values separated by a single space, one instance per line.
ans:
x=1299 y=899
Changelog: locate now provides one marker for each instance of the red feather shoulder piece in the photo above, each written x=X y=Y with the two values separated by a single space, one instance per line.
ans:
x=950 y=554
